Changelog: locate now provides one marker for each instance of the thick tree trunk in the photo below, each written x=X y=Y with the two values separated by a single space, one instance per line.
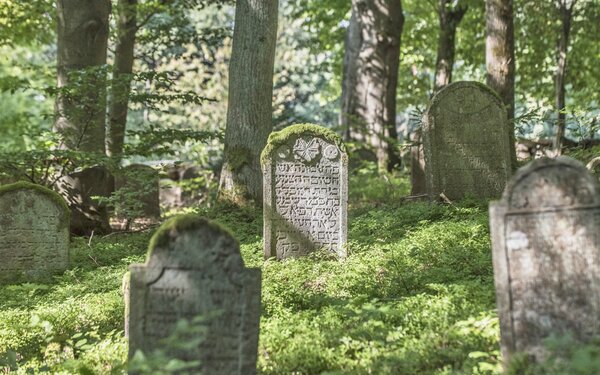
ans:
x=80 y=109
x=122 y=74
x=449 y=16
x=500 y=59
x=371 y=77
x=249 y=112
x=566 y=13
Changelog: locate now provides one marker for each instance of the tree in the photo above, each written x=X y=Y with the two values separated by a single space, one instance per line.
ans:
x=500 y=59
x=122 y=76
x=565 y=8
x=370 y=77
x=450 y=13
x=249 y=112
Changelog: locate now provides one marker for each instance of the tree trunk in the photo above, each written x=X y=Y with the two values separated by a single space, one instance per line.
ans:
x=450 y=16
x=371 y=77
x=80 y=109
x=82 y=43
x=122 y=74
x=566 y=13
x=500 y=59
x=249 y=112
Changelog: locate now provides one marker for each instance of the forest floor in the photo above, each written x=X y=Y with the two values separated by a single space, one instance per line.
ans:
x=414 y=296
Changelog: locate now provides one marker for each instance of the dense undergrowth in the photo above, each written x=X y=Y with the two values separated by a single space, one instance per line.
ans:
x=414 y=296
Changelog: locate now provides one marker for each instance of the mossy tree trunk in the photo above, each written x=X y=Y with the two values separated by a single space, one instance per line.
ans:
x=122 y=75
x=450 y=14
x=249 y=112
x=370 y=77
x=500 y=59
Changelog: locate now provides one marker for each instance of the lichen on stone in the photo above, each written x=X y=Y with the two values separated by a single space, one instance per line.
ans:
x=24 y=185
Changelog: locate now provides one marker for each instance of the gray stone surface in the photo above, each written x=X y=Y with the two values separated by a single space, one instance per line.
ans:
x=305 y=170
x=546 y=253
x=466 y=142
x=34 y=233
x=145 y=180
x=194 y=269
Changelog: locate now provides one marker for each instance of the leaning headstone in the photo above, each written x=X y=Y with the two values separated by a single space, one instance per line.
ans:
x=466 y=142
x=305 y=181
x=34 y=233
x=144 y=181
x=546 y=253
x=194 y=270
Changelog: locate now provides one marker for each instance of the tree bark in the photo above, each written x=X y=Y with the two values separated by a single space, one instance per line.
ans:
x=449 y=16
x=500 y=59
x=370 y=78
x=249 y=112
x=122 y=75
x=82 y=44
x=565 y=8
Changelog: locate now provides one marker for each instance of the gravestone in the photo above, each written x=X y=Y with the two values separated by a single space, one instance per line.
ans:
x=466 y=142
x=305 y=181
x=34 y=233
x=546 y=254
x=194 y=270
x=144 y=180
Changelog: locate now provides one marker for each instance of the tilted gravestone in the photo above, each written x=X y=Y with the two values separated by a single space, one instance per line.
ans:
x=305 y=171
x=143 y=180
x=546 y=253
x=34 y=233
x=466 y=142
x=194 y=270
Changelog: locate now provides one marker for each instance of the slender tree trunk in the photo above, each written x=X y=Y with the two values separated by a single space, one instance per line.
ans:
x=371 y=77
x=82 y=43
x=122 y=74
x=566 y=13
x=80 y=109
x=500 y=59
x=449 y=16
x=249 y=112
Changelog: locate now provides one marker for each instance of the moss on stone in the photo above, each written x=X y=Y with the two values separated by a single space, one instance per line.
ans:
x=23 y=185
x=182 y=223
x=449 y=87
x=279 y=138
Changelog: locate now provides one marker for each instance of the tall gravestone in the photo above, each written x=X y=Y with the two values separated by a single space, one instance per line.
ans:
x=466 y=142
x=194 y=270
x=34 y=233
x=546 y=253
x=305 y=171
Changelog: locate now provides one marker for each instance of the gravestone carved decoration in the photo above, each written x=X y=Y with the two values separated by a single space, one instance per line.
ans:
x=546 y=253
x=466 y=142
x=305 y=171
x=194 y=270
x=34 y=233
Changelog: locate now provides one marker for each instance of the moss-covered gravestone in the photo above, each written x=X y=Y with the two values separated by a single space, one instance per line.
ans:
x=546 y=253
x=194 y=271
x=466 y=142
x=34 y=233
x=305 y=170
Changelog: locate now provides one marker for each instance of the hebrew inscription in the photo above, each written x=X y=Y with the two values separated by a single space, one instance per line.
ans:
x=305 y=180
x=195 y=276
x=34 y=233
x=466 y=140
x=547 y=256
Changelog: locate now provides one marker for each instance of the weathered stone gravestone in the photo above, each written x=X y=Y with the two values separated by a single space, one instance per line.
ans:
x=305 y=171
x=546 y=252
x=466 y=142
x=194 y=270
x=144 y=180
x=34 y=233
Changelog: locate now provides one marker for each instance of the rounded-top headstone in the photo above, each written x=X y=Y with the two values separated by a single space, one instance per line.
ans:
x=466 y=142
x=34 y=233
x=194 y=270
x=305 y=182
